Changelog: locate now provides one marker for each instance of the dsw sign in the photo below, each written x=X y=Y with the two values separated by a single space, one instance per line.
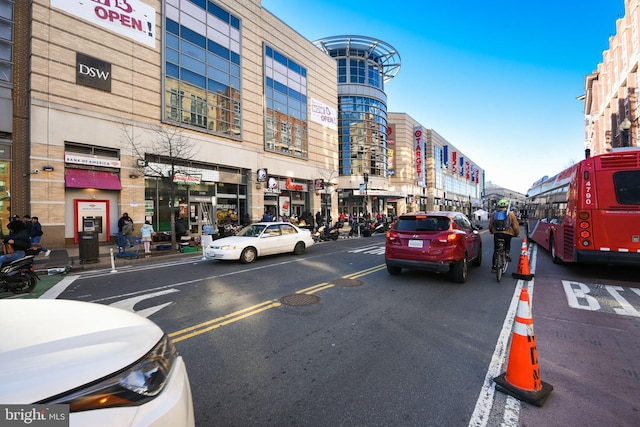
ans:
x=93 y=72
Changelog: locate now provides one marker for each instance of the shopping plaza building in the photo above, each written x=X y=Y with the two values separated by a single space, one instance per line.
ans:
x=215 y=109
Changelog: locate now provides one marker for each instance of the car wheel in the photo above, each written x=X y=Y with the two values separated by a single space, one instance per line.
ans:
x=393 y=270
x=299 y=248
x=248 y=255
x=460 y=270
x=478 y=260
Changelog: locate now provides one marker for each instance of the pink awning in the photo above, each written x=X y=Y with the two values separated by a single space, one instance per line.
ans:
x=82 y=178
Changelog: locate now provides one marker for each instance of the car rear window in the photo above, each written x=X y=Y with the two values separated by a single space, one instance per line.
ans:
x=423 y=224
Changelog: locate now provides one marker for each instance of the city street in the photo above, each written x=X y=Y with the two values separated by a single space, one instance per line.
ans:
x=330 y=338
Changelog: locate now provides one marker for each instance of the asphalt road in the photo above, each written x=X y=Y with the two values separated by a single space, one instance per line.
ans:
x=330 y=338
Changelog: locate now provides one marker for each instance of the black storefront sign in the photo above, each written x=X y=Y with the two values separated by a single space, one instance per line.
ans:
x=93 y=72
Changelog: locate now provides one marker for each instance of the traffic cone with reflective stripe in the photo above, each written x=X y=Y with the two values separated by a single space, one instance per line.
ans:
x=523 y=271
x=522 y=379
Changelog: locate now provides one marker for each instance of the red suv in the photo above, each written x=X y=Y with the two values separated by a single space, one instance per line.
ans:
x=433 y=241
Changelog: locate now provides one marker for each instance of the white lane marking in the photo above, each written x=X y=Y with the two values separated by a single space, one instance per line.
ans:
x=482 y=410
x=129 y=303
x=58 y=288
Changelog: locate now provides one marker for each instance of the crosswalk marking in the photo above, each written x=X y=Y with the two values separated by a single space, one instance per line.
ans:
x=372 y=250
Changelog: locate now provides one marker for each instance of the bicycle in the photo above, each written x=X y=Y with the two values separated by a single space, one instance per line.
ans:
x=500 y=259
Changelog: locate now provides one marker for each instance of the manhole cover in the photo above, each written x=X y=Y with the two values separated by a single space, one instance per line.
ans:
x=300 y=299
x=347 y=282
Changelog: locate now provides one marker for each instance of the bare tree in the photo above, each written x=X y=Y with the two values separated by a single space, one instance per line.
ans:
x=164 y=153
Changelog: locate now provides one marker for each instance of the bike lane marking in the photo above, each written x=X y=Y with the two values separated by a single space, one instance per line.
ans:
x=583 y=296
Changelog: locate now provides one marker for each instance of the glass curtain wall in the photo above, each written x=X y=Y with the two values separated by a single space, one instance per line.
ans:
x=362 y=125
x=202 y=83
x=286 y=105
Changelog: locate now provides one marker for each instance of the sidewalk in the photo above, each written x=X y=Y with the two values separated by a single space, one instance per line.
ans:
x=70 y=258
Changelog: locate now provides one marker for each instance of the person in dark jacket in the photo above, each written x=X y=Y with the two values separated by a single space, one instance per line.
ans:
x=18 y=239
x=122 y=221
x=36 y=235
x=181 y=230
x=27 y=224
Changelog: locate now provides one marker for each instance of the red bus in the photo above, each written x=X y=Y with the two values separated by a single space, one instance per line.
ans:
x=590 y=212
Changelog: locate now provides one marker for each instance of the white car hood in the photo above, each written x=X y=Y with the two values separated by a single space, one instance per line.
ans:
x=48 y=347
x=232 y=240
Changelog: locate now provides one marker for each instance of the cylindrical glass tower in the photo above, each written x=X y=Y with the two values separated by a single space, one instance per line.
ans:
x=364 y=65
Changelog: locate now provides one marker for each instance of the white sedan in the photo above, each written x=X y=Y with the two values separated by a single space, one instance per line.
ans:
x=259 y=239
x=90 y=364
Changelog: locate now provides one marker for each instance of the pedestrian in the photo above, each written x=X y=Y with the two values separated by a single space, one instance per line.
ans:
x=146 y=232
x=17 y=242
x=27 y=223
x=36 y=235
x=181 y=230
x=127 y=231
x=123 y=219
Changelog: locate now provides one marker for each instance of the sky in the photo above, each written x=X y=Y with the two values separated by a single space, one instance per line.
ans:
x=498 y=79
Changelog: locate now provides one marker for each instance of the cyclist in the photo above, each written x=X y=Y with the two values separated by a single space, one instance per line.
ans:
x=503 y=224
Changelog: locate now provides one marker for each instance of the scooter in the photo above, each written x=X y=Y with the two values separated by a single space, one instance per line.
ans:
x=18 y=276
x=326 y=233
x=379 y=227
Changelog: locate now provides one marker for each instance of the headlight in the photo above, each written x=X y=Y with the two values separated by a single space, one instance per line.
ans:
x=227 y=247
x=132 y=386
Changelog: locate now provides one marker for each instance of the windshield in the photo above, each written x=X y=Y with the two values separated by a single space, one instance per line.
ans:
x=251 y=230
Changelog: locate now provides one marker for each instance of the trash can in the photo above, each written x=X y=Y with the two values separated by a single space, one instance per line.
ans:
x=88 y=248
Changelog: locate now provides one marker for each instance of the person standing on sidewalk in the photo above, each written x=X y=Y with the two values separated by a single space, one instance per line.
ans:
x=146 y=231
x=36 y=235
x=181 y=230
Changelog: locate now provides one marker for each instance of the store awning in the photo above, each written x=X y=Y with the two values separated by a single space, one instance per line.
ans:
x=82 y=178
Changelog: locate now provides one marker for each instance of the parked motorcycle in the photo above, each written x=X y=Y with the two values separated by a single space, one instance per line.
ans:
x=18 y=276
x=379 y=226
x=325 y=233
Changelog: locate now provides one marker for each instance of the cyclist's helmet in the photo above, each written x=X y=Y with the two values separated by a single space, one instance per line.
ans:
x=503 y=203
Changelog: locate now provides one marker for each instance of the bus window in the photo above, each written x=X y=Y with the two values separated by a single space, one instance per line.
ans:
x=627 y=187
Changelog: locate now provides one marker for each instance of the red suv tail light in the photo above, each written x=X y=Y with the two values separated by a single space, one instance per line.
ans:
x=449 y=238
x=392 y=238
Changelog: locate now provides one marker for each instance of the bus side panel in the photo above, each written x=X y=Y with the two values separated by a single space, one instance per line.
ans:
x=538 y=231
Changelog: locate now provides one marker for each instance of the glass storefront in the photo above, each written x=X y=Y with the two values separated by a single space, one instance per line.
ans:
x=204 y=203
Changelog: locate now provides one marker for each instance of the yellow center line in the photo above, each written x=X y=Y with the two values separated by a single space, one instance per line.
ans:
x=322 y=288
x=312 y=288
x=218 y=322
x=358 y=274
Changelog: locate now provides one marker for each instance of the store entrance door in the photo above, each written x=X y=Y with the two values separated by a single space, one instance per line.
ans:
x=199 y=216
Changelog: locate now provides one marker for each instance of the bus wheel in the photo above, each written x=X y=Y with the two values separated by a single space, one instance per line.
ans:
x=554 y=253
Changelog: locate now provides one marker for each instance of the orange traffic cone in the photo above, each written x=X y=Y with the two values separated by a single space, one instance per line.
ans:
x=523 y=264
x=522 y=379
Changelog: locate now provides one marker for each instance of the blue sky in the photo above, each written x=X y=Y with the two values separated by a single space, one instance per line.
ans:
x=498 y=79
